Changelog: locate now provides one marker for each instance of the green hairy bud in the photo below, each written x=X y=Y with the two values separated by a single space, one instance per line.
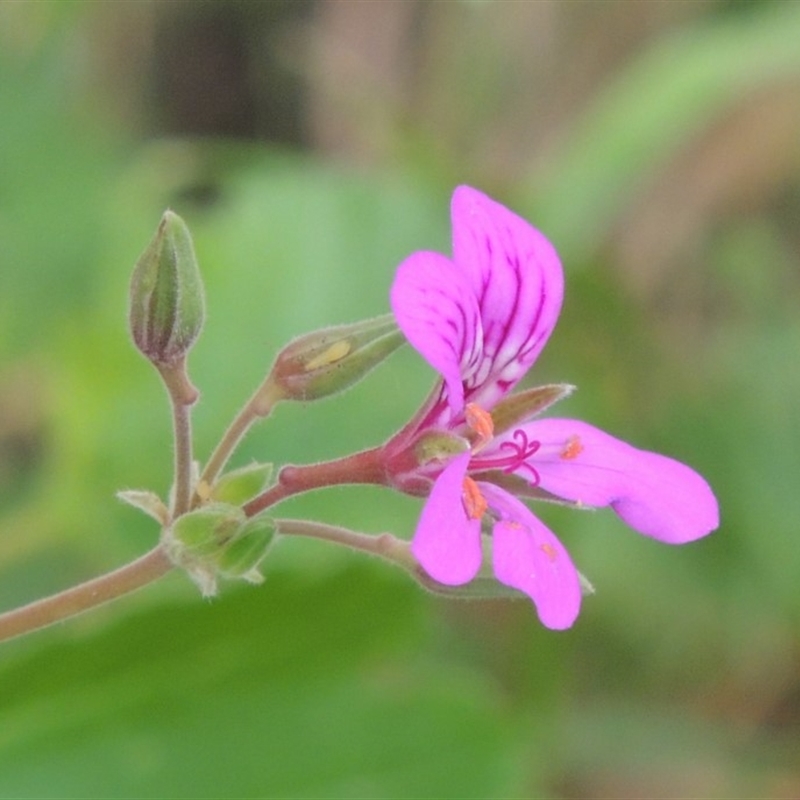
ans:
x=167 y=308
x=327 y=361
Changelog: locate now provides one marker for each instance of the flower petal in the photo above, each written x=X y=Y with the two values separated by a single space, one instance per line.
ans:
x=437 y=311
x=447 y=543
x=655 y=495
x=518 y=281
x=527 y=556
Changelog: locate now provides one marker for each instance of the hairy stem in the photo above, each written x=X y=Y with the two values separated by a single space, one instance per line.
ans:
x=383 y=545
x=183 y=458
x=92 y=593
x=259 y=406
x=182 y=395
x=365 y=467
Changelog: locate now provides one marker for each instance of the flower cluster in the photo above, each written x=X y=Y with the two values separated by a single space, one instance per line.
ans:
x=476 y=449
x=481 y=319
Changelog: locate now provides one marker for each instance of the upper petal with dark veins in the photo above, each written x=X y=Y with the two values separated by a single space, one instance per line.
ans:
x=518 y=282
x=437 y=311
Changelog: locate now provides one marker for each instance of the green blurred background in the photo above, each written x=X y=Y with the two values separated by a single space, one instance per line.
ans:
x=311 y=146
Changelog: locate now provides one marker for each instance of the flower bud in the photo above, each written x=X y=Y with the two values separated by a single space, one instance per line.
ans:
x=166 y=297
x=327 y=361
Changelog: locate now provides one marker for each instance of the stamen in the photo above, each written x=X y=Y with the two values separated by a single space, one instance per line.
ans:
x=572 y=449
x=521 y=449
x=475 y=504
x=549 y=551
x=481 y=422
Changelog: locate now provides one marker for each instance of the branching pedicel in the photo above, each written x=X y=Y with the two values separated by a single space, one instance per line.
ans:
x=480 y=319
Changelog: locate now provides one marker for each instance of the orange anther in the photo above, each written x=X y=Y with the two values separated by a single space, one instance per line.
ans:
x=482 y=423
x=573 y=448
x=474 y=502
x=549 y=551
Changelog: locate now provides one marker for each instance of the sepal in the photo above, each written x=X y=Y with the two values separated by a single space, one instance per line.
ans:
x=240 y=485
x=587 y=587
x=241 y=558
x=149 y=502
x=484 y=586
x=203 y=532
x=217 y=540
x=521 y=406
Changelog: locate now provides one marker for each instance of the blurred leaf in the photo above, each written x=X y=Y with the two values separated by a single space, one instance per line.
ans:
x=55 y=158
x=337 y=678
x=272 y=692
x=656 y=106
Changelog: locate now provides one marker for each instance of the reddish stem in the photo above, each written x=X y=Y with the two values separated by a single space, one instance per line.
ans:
x=366 y=467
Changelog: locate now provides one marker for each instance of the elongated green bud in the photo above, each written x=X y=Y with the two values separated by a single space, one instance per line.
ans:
x=167 y=308
x=327 y=361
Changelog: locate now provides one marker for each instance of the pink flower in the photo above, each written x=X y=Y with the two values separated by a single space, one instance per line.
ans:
x=481 y=319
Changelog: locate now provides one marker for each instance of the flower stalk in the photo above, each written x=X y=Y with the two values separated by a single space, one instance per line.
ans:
x=182 y=396
x=365 y=467
x=96 y=592
x=383 y=545
x=259 y=406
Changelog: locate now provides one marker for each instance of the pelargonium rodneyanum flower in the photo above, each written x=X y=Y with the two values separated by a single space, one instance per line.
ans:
x=481 y=319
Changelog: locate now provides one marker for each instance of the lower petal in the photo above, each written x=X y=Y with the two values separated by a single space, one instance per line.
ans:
x=655 y=495
x=447 y=543
x=527 y=556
